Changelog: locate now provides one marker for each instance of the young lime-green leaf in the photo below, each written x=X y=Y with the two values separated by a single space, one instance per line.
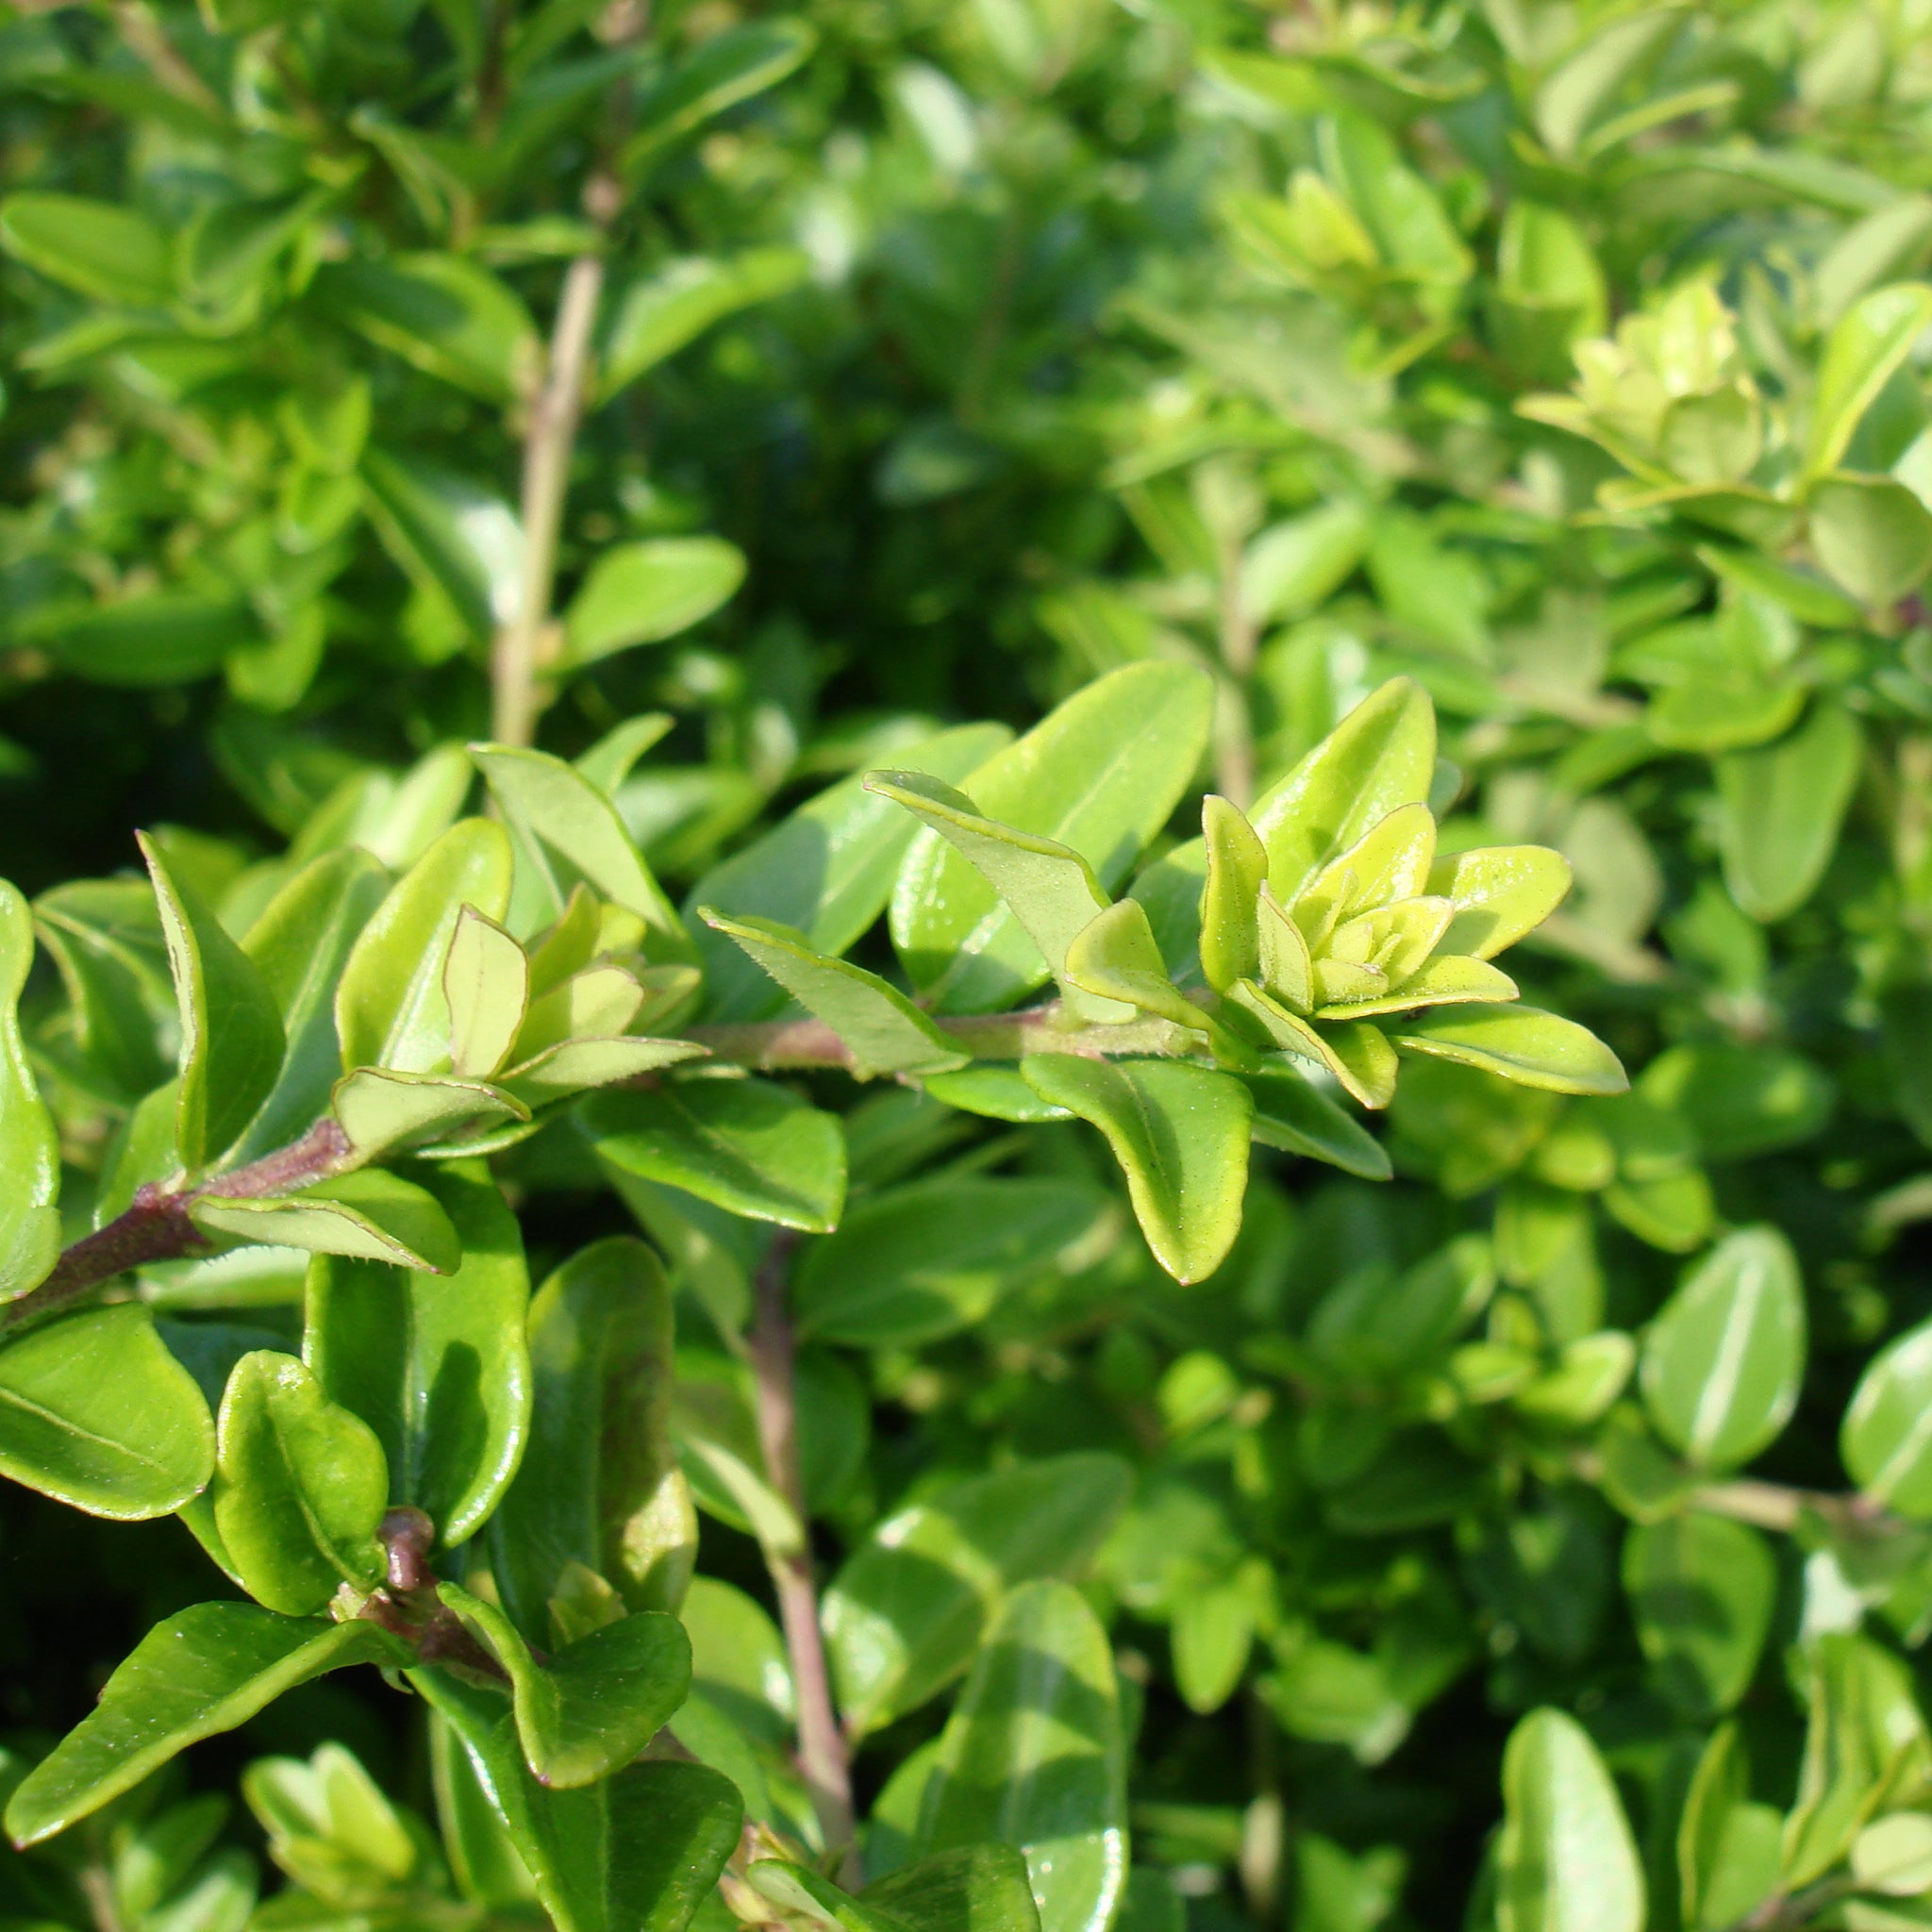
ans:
x=1291 y=1034
x=1871 y=535
x=1364 y=1061
x=1100 y=775
x=1114 y=958
x=1046 y=887
x=1723 y=1361
x=1380 y=758
x=445 y=314
x=912 y=1263
x=95 y=1412
x=1780 y=807
x=749 y=1147
x=639 y=1851
x=1499 y=892
x=1892 y=1855
x=1886 y=1437
x=381 y=1111
x=1180 y=1134
x=300 y=1487
x=640 y=593
x=883 y=1030
x=1566 y=1859
x=590 y=1709
x=29 y=1148
x=1702 y=1590
x=573 y=1065
x=1448 y=980
x=1860 y=355
x=205 y=1670
x=370 y=1213
x=1033 y=1757
x=724 y=70
x=437 y=1365
x=100 y=249
x=1522 y=1044
x=598 y=1484
x=486 y=979
x=826 y=871
x=1297 y=1118
x=905 y=1614
x=301 y=943
x=391 y=1006
x=231 y=1031
x=1287 y=968
x=596 y=1004
x=1237 y=871
x=568 y=832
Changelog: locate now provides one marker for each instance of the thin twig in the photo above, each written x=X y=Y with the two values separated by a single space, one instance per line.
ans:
x=823 y=1758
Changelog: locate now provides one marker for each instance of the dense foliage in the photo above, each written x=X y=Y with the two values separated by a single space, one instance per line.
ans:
x=1024 y=1021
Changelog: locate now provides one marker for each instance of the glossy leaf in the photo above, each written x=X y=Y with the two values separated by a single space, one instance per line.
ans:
x=370 y=1213
x=598 y=1484
x=1886 y=1437
x=746 y=1145
x=457 y=542
x=95 y=1412
x=486 y=979
x=1499 y=892
x=1860 y=355
x=1099 y=776
x=906 y=1612
x=1033 y=1757
x=1293 y=1115
x=884 y=1031
x=391 y=1006
x=1702 y=1590
x=1723 y=1361
x=1520 y=1044
x=437 y=1365
x=381 y=1111
x=29 y=1148
x=300 y=1487
x=1566 y=1861
x=201 y=1672
x=1180 y=1134
x=231 y=1031
x=641 y=593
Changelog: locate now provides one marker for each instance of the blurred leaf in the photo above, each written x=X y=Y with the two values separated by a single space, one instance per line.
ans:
x=29 y=1147
x=640 y=593
x=1567 y=1862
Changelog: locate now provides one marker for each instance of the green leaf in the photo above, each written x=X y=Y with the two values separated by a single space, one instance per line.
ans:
x=300 y=1487
x=159 y=638
x=639 y=1852
x=1871 y=535
x=1575 y=95
x=1861 y=356
x=1297 y=1118
x=231 y=1032
x=445 y=314
x=673 y=303
x=641 y=593
x=1723 y=1361
x=486 y=979
x=977 y=1887
x=1566 y=1861
x=910 y=1264
x=1293 y=566
x=1739 y=1100
x=391 y=1006
x=1099 y=776
x=1892 y=1855
x=573 y=1065
x=300 y=945
x=205 y=1670
x=1237 y=871
x=1521 y=1043
x=598 y=1484
x=29 y=1148
x=884 y=1031
x=568 y=832
x=826 y=871
x=1727 y=1847
x=746 y=1145
x=381 y=1111
x=727 y=69
x=1381 y=757
x=1180 y=1134
x=1886 y=1437
x=437 y=1365
x=1033 y=1757
x=1702 y=1590
x=1780 y=809
x=97 y=1413
x=905 y=1614
x=1115 y=959
x=370 y=1213
x=588 y=1709
x=457 y=542
x=100 y=249
x=1047 y=888
x=1499 y=892
x=105 y=936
